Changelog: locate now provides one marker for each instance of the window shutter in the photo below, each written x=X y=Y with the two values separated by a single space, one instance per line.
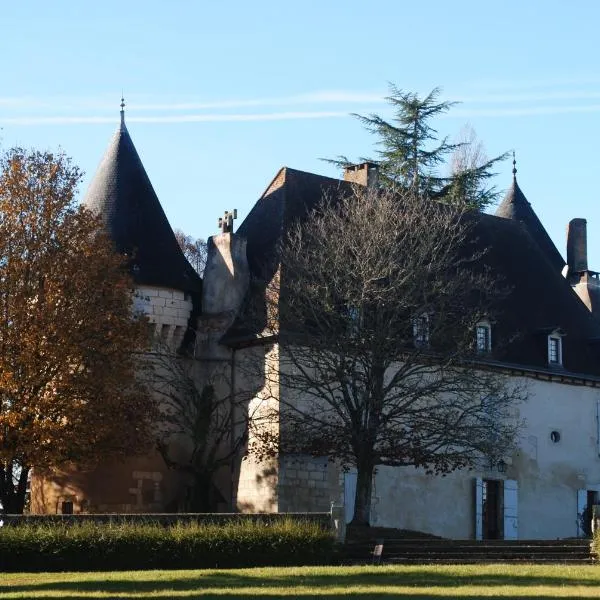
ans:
x=511 y=510
x=349 y=494
x=478 y=508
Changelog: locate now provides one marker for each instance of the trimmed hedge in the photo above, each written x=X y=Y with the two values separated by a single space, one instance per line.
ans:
x=132 y=546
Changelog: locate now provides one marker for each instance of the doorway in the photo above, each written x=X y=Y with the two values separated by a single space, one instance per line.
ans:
x=493 y=510
x=496 y=509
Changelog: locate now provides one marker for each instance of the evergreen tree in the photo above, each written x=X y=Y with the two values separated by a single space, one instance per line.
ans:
x=410 y=153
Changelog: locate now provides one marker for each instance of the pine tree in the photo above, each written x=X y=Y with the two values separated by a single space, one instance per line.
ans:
x=410 y=154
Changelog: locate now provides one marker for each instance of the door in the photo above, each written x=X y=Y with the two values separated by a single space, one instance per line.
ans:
x=511 y=510
x=492 y=509
x=349 y=494
x=496 y=509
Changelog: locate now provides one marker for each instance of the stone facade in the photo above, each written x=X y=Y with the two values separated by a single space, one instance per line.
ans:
x=169 y=310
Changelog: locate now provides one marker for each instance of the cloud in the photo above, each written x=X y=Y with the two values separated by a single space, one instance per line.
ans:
x=316 y=97
x=189 y=118
x=511 y=99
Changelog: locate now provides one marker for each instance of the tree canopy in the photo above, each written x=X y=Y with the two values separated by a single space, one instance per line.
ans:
x=194 y=250
x=68 y=389
x=375 y=309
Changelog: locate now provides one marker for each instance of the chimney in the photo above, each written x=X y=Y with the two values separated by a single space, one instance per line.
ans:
x=225 y=283
x=577 y=246
x=362 y=174
x=585 y=283
x=226 y=275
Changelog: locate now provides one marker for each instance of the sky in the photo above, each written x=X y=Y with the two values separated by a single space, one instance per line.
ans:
x=220 y=95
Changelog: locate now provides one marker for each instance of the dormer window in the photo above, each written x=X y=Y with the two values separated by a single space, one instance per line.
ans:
x=555 y=349
x=483 y=339
x=421 y=330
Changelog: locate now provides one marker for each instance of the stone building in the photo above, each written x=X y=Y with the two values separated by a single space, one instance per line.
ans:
x=540 y=491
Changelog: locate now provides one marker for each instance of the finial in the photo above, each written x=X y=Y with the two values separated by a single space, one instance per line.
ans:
x=122 y=109
x=226 y=221
x=514 y=169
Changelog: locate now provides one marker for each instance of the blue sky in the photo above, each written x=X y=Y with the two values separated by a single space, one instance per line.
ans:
x=220 y=95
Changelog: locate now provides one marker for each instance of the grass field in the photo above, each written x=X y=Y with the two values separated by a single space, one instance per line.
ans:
x=420 y=582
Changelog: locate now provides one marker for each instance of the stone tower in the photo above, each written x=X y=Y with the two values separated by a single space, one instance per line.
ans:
x=168 y=291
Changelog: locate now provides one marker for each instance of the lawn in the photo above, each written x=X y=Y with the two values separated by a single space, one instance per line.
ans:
x=421 y=582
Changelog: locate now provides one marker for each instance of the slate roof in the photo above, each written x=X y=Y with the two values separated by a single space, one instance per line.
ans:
x=515 y=206
x=540 y=300
x=290 y=195
x=122 y=193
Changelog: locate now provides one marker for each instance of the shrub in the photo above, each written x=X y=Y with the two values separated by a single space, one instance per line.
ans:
x=127 y=546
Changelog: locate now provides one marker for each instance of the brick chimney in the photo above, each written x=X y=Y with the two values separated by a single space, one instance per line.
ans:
x=366 y=174
x=585 y=283
x=577 y=246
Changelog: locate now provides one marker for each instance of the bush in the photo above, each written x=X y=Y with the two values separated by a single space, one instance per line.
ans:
x=595 y=545
x=128 y=546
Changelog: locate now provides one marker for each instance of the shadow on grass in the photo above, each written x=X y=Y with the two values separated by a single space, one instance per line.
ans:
x=204 y=583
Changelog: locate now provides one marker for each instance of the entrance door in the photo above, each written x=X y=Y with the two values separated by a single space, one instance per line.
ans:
x=496 y=509
x=492 y=510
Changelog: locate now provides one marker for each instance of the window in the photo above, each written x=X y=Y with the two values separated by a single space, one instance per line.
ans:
x=421 y=330
x=483 y=333
x=354 y=320
x=554 y=349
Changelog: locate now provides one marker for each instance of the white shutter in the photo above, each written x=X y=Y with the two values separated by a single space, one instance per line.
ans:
x=349 y=494
x=598 y=426
x=478 y=508
x=511 y=510
x=581 y=504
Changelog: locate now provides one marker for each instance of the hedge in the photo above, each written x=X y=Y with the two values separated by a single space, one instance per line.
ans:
x=131 y=546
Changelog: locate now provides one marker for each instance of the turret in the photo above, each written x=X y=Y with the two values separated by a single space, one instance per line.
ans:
x=515 y=206
x=121 y=192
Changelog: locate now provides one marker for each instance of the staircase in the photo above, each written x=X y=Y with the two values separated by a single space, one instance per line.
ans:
x=425 y=551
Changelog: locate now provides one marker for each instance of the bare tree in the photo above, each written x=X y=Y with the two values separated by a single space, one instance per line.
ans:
x=203 y=424
x=469 y=152
x=375 y=306
x=471 y=170
x=193 y=249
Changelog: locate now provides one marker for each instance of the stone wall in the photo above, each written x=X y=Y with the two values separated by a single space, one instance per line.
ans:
x=307 y=484
x=169 y=310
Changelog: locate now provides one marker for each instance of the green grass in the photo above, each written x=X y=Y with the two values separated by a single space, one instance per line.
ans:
x=386 y=582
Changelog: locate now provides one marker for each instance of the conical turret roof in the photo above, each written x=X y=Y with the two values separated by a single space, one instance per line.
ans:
x=515 y=206
x=122 y=194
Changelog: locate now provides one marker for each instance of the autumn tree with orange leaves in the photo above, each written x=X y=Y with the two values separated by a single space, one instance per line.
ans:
x=68 y=390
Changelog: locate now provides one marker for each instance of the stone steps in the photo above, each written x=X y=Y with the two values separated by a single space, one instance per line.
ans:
x=406 y=551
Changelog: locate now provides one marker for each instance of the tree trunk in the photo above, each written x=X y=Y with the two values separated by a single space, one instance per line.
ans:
x=364 y=487
x=13 y=496
x=199 y=499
